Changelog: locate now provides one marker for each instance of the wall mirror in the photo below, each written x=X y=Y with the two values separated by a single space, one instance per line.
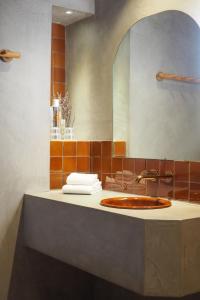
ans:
x=158 y=119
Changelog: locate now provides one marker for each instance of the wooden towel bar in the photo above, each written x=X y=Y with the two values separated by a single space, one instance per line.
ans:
x=161 y=76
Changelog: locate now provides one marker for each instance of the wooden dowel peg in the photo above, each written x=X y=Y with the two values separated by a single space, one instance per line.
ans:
x=161 y=76
x=7 y=55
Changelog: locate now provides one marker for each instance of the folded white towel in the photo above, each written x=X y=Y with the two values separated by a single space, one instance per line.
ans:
x=96 y=184
x=81 y=189
x=82 y=179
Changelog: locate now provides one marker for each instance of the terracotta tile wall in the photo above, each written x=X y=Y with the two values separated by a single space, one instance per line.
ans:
x=79 y=156
x=58 y=60
x=118 y=173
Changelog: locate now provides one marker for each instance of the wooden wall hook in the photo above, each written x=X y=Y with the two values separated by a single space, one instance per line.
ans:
x=161 y=76
x=7 y=55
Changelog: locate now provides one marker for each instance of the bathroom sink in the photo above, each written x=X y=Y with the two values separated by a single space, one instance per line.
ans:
x=136 y=202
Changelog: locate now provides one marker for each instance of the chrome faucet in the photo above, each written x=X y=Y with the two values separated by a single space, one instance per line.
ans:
x=152 y=175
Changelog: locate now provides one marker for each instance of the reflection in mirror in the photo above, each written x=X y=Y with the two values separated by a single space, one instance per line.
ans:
x=158 y=119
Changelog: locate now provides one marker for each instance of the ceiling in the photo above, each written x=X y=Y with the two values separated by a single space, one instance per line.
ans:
x=59 y=15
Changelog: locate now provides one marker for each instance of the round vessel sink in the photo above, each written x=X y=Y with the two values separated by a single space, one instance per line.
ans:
x=136 y=202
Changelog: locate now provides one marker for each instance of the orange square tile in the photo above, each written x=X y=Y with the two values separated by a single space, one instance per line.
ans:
x=181 y=171
x=95 y=148
x=110 y=183
x=153 y=165
x=56 y=180
x=69 y=148
x=56 y=148
x=58 y=87
x=166 y=166
x=58 y=75
x=134 y=188
x=116 y=165
x=140 y=165
x=181 y=192
x=83 y=164
x=69 y=164
x=107 y=181
x=96 y=164
x=195 y=172
x=194 y=192
x=58 y=45
x=120 y=149
x=107 y=149
x=165 y=189
x=194 y=181
x=65 y=175
x=152 y=188
x=128 y=179
x=56 y=164
x=58 y=60
x=58 y=31
x=83 y=149
x=129 y=164
x=99 y=176
x=181 y=184
x=166 y=186
x=106 y=165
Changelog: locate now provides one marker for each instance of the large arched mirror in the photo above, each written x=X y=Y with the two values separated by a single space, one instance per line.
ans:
x=158 y=119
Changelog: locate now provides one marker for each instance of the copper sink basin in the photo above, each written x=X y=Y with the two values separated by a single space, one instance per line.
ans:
x=136 y=202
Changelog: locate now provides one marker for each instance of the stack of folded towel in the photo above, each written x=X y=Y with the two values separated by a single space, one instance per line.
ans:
x=79 y=183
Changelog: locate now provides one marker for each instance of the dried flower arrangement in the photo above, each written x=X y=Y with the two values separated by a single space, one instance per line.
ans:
x=66 y=109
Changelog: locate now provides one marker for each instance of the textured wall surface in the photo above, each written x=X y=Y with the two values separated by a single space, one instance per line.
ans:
x=121 y=82
x=25 y=26
x=93 y=45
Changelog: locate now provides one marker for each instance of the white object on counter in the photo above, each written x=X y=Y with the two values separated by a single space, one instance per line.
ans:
x=82 y=179
x=56 y=113
x=81 y=189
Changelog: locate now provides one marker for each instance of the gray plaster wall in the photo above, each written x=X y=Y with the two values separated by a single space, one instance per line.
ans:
x=93 y=44
x=164 y=116
x=24 y=118
x=121 y=82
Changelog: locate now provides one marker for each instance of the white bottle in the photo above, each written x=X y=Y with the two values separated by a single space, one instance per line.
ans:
x=55 y=120
x=56 y=113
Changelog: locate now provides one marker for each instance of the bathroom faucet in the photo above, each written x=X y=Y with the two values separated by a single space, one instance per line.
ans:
x=152 y=175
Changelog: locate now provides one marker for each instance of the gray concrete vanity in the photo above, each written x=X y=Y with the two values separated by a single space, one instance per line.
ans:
x=151 y=252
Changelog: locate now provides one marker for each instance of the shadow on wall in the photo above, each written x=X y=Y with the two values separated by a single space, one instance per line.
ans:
x=6 y=252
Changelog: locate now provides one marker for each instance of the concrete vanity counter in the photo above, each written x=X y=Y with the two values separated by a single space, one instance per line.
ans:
x=151 y=252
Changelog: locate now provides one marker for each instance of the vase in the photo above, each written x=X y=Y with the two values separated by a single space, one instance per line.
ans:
x=68 y=133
